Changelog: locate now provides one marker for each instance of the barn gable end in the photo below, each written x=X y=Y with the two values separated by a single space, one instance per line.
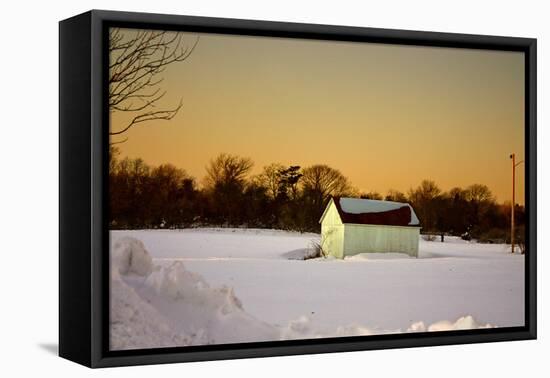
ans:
x=331 y=215
x=332 y=231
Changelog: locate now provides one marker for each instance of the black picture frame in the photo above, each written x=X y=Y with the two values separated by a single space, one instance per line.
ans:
x=83 y=148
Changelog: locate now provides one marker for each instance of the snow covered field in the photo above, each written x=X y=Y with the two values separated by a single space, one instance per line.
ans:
x=204 y=286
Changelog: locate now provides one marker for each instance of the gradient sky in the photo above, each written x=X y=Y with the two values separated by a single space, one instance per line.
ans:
x=386 y=116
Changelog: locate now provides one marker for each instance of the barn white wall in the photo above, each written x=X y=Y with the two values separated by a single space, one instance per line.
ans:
x=361 y=238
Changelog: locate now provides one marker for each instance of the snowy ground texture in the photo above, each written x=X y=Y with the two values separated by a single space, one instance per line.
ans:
x=218 y=286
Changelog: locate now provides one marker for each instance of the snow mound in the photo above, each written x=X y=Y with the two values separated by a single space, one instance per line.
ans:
x=135 y=323
x=417 y=327
x=178 y=284
x=462 y=323
x=164 y=306
x=298 y=328
x=128 y=255
x=465 y=322
x=211 y=315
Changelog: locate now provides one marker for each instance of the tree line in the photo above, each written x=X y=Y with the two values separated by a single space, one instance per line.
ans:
x=283 y=197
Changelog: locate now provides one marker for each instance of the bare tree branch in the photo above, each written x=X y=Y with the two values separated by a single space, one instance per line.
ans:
x=149 y=116
x=137 y=59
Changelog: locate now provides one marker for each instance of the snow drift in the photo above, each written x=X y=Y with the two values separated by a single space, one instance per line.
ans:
x=155 y=305
x=129 y=256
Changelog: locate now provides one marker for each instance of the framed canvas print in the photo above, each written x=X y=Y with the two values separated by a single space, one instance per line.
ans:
x=234 y=188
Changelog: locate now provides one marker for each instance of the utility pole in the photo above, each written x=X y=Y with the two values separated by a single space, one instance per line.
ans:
x=512 y=220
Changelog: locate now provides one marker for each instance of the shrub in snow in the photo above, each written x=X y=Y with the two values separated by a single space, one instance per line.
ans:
x=314 y=250
x=129 y=255
x=466 y=236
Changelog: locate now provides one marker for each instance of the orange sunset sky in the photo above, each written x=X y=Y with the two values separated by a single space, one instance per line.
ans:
x=386 y=116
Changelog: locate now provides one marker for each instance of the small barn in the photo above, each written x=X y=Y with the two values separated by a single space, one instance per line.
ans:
x=352 y=225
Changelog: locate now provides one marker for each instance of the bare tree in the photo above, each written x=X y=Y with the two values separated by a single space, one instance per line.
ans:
x=480 y=199
x=270 y=179
x=324 y=181
x=478 y=193
x=136 y=60
x=425 y=200
x=227 y=169
x=225 y=184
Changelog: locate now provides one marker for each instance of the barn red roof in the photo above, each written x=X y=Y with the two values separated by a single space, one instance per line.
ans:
x=374 y=212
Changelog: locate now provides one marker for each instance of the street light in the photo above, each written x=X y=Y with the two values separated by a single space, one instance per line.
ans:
x=512 y=221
